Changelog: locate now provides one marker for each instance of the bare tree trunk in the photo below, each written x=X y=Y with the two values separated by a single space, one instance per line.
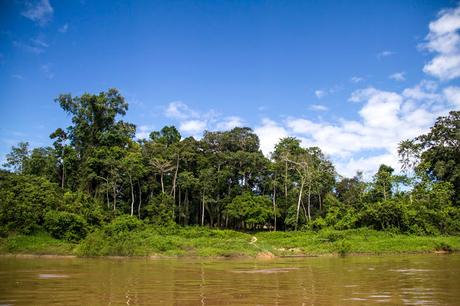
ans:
x=173 y=189
x=132 y=194
x=107 y=195
x=304 y=211
x=162 y=185
x=298 y=204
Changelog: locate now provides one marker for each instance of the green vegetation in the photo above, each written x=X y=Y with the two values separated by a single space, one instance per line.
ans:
x=99 y=191
x=139 y=239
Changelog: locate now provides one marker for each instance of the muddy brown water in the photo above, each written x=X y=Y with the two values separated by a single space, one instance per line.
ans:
x=427 y=279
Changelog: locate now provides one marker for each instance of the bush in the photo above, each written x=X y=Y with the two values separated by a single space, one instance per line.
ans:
x=121 y=224
x=331 y=235
x=343 y=247
x=65 y=225
x=24 y=200
x=160 y=210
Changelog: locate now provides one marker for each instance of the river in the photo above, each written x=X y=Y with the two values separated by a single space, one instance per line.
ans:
x=427 y=279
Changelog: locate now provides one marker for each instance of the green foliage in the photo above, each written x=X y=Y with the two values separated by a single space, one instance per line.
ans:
x=343 y=247
x=436 y=153
x=250 y=209
x=122 y=224
x=24 y=200
x=160 y=210
x=65 y=225
x=96 y=170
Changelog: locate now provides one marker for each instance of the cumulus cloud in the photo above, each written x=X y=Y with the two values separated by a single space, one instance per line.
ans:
x=452 y=94
x=385 y=118
x=229 y=123
x=398 y=76
x=40 y=11
x=444 y=40
x=143 y=131
x=269 y=133
x=193 y=126
x=180 y=110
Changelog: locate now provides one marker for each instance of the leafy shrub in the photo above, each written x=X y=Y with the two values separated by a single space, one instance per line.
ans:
x=331 y=235
x=160 y=210
x=343 y=247
x=65 y=225
x=85 y=205
x=317 y=224
x=24 y=200
x=121 y=224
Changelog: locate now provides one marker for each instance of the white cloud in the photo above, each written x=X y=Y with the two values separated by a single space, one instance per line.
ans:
x=356 y=79
x=320 y=93
x=385 y=118
x=398 y=76
x=444 y=40
x=452 y=94
x=384 y=54
x=318 y=107
x=269 y=134
x=192 y=126
x=40 y=11
x=180 y=110
x=17 y=76
x=229 y=123
x=143 y=131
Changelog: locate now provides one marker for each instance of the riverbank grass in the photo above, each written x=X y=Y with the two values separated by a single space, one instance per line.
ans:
x=205 y=242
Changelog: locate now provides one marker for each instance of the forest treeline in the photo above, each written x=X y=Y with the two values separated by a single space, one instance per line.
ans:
x=97 y=171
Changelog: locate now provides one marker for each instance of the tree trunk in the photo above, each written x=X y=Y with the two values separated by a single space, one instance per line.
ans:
x=320 y=202
x=132 y=194
x=173 y=189
x=162 y=185
x=298 y=205
x=114 y=196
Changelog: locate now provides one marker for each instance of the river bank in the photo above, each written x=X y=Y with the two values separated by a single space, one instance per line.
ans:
x=205 y=242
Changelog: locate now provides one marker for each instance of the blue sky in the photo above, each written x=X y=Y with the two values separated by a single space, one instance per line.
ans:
x=353 y=77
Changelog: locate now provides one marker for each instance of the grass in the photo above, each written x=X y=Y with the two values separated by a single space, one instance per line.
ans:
x=38 y=244
x=205 y=242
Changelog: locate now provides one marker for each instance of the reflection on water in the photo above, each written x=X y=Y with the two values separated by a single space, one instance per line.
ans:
x=408 y=279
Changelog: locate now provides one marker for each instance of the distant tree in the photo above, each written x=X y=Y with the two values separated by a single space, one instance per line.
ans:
x=436 y=153
x=18 y=157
